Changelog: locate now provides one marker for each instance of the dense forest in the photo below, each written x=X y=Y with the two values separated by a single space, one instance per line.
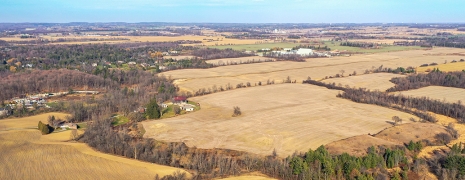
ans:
x=123 y=91
x=80 y=56
x=37 y=81
x=360 y=44
x=434 y=78
x=448 y=41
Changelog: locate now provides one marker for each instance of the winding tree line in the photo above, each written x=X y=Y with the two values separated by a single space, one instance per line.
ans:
x=423 y=104
x=417 y=106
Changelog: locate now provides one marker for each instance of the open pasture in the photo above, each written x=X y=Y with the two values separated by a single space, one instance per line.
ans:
x=448 y=94
x=374 y=81
x=285 y=117
x=316 y=68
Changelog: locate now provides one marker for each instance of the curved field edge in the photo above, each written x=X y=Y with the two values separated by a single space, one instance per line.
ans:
x=49 y=156
x=285 y=117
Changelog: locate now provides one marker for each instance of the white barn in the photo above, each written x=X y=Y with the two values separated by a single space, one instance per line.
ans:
x=304 y=52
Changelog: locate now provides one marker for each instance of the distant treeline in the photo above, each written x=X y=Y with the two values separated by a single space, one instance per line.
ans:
x=359 y=44
x=212 y=53
x=80 y=56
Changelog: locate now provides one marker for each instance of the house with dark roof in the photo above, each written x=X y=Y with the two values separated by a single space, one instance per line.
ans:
x=180 y=100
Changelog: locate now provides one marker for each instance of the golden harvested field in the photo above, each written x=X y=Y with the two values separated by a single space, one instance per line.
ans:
x=449 y=94
x=285 y=117
x=458 y=66
x=194 y=79
x=28 y=122
x=389 y=138
x=237 y=60
x=358 y=145
x=375 y=81
x=26 y=154
x=444 y=121
x=405 y=133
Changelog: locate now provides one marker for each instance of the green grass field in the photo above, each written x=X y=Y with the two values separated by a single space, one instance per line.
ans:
x=386 y=48
x=82 y=125
x=120 y=120
x=254 y=47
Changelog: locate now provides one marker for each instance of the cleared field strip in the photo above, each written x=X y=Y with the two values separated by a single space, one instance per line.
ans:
x=194 y=79
x=448 y=94
x=375 y=81
x=225 y=61
x=458 y=66
x=27 y=154
x=285 y=117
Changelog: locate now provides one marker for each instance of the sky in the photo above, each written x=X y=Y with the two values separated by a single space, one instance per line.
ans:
x=234 y=11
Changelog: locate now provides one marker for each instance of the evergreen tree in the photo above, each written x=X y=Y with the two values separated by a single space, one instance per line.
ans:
x=153 y=111
x=43 y=128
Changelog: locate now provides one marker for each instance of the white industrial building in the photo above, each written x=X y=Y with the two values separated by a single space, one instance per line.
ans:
x=289 y=51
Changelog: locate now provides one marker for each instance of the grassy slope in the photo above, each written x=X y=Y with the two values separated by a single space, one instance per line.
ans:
x=29 y=155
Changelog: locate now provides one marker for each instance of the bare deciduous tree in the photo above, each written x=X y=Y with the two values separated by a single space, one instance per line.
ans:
x=237 y=111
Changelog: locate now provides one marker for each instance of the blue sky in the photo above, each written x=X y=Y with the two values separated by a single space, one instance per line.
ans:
x=234 y=11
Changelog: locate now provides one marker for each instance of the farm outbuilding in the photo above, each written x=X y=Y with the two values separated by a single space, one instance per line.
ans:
x=68 y=125
x=304 y=52
x=187 y=107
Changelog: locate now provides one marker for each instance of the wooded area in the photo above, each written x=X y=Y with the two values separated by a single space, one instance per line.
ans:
x=434 y=78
